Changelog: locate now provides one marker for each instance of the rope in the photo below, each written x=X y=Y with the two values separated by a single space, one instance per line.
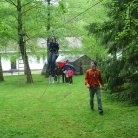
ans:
x=80 y=13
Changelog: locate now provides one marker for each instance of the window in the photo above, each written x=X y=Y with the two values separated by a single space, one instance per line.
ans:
x=13 y=65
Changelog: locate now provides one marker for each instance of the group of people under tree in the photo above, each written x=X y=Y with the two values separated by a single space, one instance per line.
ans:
x=93 y=77
x=65 y=74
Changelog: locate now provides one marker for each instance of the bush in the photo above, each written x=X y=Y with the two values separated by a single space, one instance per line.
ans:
x=129 y=95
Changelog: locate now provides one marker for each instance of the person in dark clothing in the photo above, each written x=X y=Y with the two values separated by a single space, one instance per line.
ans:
x=64 y=79
x=58 y=72
x=63 y=74
x=53 y=47
x=66 y=76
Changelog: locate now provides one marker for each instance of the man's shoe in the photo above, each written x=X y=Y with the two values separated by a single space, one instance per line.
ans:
x=100 y=111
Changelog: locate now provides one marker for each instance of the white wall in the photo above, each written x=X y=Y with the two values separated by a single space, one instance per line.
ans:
x=6 y=64
x=33 y=63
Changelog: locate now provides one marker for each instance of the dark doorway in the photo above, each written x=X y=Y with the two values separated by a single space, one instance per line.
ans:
x=13 y=65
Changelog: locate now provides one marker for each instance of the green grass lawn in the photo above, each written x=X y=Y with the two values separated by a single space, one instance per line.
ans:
x=43 y=110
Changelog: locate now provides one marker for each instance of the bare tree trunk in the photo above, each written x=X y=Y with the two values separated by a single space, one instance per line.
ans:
x=25 y=60
x=1 y=72
x=22 y=44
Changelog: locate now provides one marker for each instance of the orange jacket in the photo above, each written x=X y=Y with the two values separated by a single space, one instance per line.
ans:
x=93 y=77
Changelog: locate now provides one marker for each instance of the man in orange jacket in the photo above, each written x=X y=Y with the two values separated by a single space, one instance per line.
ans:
x=93 y=80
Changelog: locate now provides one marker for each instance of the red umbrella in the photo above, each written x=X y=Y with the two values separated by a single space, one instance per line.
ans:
x=61 y=64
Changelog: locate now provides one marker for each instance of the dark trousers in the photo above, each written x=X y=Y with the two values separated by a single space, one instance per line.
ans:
x=51 y=62
x=66 y=79
x=93 y=90
x=63 y=77
x=70 y=80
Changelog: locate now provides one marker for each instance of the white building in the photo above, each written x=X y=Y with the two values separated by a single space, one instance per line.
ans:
x=35 y=64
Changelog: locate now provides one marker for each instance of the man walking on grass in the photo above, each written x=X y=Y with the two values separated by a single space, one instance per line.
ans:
x=93 y=80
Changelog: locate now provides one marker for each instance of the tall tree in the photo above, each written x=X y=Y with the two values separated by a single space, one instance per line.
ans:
x=22 y=41
x=25 y=15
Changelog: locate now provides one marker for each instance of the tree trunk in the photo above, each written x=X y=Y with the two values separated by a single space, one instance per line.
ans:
x=48 y=28
x=22 y=44
x=25 y=60
x=1 y=72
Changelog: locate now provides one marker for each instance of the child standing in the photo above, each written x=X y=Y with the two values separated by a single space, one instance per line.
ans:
x=70 y=74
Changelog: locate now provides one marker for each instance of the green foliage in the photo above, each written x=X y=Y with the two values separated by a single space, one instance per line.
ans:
x=129 y=94
x=62 y=6
x=119 y=34
x=93 y=49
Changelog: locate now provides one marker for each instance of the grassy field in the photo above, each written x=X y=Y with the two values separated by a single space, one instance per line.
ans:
x=43 y=110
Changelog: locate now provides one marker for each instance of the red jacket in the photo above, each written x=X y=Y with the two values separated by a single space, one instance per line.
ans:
x=93 y=77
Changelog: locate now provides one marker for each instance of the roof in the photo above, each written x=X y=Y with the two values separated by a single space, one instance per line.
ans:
x=70 y=58
x=74 y=42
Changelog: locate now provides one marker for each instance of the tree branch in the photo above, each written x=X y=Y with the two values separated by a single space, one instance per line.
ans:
x=11 y=2
x=27 y=3
x=28 y=10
